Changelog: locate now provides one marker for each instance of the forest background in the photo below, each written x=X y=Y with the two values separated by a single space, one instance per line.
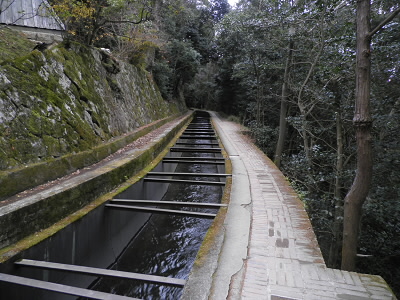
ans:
x=286 y=70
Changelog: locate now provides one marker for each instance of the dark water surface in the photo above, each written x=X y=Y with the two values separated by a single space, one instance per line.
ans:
x=167 y=244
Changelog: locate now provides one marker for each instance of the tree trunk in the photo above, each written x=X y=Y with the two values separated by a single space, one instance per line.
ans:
x=306 y=107
x=258 y=92
x=284 y=108
x=363 y=124
x=338 y=213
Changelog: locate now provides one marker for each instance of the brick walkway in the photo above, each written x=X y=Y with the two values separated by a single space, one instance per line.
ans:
x=283 y=259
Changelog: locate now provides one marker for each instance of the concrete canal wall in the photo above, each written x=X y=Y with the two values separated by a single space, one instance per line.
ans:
x=21 y=217
x=94 y=240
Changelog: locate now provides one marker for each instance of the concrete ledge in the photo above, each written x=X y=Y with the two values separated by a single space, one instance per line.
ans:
x=210 y=277
x=15 y=181
x=21 y=218
x=39 y=34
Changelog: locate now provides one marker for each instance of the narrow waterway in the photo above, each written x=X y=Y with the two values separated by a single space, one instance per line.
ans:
x=167 y=244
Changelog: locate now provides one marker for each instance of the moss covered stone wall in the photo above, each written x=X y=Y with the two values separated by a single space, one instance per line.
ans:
x=66 y=100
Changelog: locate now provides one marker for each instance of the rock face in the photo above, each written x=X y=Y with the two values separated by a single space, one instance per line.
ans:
x=64 y=101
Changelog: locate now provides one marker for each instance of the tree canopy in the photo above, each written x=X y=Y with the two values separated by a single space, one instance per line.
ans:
x=287 y=70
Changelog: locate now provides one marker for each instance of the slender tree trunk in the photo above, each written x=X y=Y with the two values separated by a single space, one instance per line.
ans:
x=363 y=124
x=284 y=108
x=258 y=92
x=339 y=154
x=393 y=111
x=95 y=25
x=306 y=108
x=338 y=213
x=258 y=102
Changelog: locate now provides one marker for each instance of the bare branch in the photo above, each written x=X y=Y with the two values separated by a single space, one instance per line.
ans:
x=144 y=16
x=384 y=22
x=1 y=5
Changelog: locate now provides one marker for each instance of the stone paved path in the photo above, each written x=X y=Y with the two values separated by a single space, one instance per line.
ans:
x=283 y=259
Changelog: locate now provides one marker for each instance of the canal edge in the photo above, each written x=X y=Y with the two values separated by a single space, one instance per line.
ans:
x=147 y=158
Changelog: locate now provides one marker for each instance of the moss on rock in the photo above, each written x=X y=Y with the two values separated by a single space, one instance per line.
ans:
x=13 y=44
x=64 y=101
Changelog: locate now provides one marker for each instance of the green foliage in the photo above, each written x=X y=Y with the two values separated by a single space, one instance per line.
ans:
x=264 y=137
x=168 y=38
x=79 y=17
x=183 y=59
x=234 y=119
x=162 y=74
x=218 y=9
x=252 y=46
x=100 y=22
x=202 y=91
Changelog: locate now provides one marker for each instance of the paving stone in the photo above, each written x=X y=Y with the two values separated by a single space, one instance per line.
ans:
x=291 y=293
x=355 y=288
x=383 y=297
x=251 y=295
x=274 y=297
x=298 y=281
x=356 y=278
x=348 y=278
x=323 y=274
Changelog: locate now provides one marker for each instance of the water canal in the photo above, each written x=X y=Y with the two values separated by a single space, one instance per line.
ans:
x=167 y=245
x=115 y=237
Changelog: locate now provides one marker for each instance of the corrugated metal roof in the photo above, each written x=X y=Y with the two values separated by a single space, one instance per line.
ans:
x=29 y=13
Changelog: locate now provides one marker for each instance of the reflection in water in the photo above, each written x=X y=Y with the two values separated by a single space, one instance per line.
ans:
x=167 y=245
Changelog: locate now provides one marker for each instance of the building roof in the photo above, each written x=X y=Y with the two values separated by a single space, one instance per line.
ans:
x=29 y=13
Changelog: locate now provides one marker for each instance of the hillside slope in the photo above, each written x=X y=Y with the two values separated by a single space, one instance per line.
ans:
x=66 y=100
